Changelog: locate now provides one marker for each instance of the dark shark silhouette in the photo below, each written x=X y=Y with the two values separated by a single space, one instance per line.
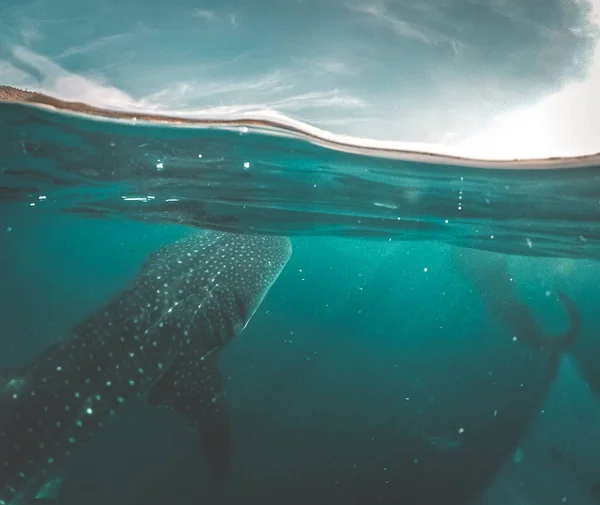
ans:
x=491 y=278
x=489 y=275
x=159 y=338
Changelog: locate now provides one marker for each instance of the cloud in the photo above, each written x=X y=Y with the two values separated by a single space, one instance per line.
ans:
x=564 y=123
x=379 y=11
x=207 y=15
x=269 y=92
x=438 y=71
x=213 y=17
x=38 y=73
x=100 y=43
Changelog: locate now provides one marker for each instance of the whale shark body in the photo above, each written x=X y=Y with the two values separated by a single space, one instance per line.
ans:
x=159 y=338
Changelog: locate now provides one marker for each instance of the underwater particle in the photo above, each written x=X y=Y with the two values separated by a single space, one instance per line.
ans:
x=461 y=430
x=446 y=221
x=9 y=229
x=492 y=237
x=246 y=164
x=514 y=339
x=518 y=456
x=564 y=499
x=529 y=243
x=244 y=129
x=495 y=413
x=425 y=269
x=547 y=293
x=199 y=156
x=159 y=165
x=42 y=197
x=415 y=461
x=89 y=411
x=32 y=204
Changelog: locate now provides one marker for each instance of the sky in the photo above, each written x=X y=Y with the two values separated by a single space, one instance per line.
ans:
x=485 y=78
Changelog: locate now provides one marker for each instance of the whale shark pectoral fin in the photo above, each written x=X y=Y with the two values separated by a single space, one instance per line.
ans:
x=216 y=436
x=195 y=391
x=50 y=489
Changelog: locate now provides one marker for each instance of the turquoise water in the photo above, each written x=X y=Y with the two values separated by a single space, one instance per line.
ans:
x=275 y=179
x=387 y=364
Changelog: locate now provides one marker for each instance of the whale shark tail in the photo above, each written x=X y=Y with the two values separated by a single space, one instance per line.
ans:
x=560 y=345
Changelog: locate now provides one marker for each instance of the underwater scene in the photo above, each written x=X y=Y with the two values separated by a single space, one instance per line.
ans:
x=295 y=252
x=305 y=322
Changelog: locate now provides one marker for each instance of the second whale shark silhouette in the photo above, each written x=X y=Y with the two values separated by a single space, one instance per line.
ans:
x=158 y=338
x=490 y=277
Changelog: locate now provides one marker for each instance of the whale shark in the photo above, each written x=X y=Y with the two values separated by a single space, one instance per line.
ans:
x=157 y=339
x=489 y=275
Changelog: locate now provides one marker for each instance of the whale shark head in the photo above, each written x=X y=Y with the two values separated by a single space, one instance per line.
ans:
x=158 y=338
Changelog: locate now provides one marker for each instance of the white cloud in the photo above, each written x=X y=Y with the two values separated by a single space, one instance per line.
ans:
x=268 y=92
x=564 y=123
x=337 y=90
x=64 y=84
x=205 y=14
x=379 y=11
x=99 y=43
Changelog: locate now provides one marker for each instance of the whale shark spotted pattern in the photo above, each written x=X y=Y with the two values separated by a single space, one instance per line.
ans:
x=159 y=337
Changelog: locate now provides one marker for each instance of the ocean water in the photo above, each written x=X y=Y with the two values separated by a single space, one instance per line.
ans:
x=394 y=359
